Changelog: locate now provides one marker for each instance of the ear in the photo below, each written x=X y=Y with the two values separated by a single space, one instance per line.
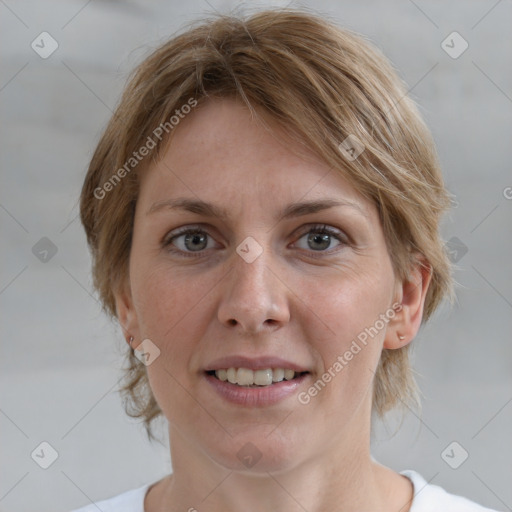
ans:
x=126 y=313
x=410 y=296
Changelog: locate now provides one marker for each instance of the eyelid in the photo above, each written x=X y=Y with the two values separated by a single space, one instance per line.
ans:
x=327 y=228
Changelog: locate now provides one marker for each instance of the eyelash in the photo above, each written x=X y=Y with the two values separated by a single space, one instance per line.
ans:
x=189 y=230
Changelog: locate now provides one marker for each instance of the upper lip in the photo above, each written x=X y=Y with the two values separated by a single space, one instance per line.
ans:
x=253 y=363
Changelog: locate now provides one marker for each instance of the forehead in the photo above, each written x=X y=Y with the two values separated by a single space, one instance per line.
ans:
x=222 y=153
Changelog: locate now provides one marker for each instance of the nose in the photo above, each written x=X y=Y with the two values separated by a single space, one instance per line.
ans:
x=253 y=297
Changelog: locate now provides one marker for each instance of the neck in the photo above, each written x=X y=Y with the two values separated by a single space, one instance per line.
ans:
x=343 y=478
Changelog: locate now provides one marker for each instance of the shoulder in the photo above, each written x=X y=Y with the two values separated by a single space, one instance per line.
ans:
x=432 y=498
x=129 y=501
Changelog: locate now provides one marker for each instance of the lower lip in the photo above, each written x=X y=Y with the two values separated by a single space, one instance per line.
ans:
x=255 y=397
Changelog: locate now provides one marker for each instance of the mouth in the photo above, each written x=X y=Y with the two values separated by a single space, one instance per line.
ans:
x=247 y=378
x=255 y=381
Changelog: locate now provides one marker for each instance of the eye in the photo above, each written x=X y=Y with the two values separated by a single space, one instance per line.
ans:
x=188 y=240
x=194 y=239
x=319 y=238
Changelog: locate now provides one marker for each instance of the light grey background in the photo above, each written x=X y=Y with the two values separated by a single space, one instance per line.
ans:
x=60 y=357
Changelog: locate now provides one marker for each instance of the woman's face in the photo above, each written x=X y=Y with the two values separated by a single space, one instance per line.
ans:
x=267 y=278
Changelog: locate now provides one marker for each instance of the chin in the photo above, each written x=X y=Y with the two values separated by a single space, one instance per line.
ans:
x=256 y=455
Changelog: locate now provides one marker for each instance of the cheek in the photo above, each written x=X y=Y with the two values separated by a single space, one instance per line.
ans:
x=169 y=308
x=165 y=291
x=351 y=299
x=352 y=307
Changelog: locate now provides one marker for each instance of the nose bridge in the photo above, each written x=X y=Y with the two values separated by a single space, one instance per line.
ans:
x=251 y=272
x=252 y=296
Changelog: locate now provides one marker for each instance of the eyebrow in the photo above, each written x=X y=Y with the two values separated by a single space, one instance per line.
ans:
x=291 y=211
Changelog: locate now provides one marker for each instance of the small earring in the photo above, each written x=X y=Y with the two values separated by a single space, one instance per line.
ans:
x=130 y=341
x=401 y=338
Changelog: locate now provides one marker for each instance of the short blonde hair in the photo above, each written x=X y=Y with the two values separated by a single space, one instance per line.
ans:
x=322 y=84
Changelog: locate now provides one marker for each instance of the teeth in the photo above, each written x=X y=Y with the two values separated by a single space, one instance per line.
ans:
x=222 y=375
x=247 y=377
x=289 y=374
x=244 y=377
x=263 y=377
x=230 y=374
x=277 y=375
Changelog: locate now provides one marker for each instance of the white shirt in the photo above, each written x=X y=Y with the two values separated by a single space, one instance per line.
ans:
x=427 y=498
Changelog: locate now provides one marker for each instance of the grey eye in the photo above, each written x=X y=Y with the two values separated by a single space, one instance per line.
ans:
x=319 y=239
x=190 y=241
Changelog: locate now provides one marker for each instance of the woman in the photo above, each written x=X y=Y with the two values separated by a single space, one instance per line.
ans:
x=263 y=212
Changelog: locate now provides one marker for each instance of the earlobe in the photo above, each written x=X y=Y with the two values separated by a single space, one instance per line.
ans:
x=407 y=321
x=126 y=313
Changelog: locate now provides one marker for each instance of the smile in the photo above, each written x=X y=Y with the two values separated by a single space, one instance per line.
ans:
x=246 y=377
x=255 y=388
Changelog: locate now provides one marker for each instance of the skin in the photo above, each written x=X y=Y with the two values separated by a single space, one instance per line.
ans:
x=299 y=300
